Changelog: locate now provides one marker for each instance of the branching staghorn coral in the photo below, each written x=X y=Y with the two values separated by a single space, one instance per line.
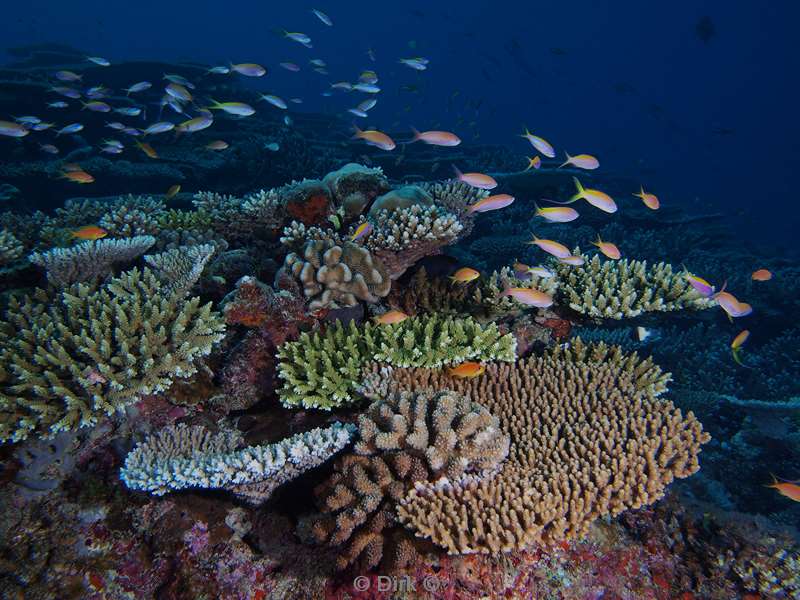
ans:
x=180 y=457
x=10 y=247
x=265 y=208
x=321 y=370
x=403 y=438
x=67 y=361
x=456 y=197
x=589 y=437
x=626 y=288
x=91 y=260
x=133 y=215
x=180 y=268
x=335 y=275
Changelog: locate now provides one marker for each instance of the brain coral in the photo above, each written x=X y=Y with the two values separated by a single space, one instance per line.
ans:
x=589 y=438
x=611 y=289
x=67 y=361
x=404 y=438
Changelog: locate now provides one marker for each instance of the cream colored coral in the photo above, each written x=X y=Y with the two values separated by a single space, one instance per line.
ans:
x=610 y=289
x=589 y=438
x=334 y=275
x=398 y=229
x=10 y=247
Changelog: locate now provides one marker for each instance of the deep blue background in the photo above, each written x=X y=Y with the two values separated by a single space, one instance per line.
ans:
x=630 y=82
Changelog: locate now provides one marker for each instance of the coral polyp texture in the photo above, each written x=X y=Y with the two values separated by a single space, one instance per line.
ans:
x=337 y=275
x=404 y=438
x=180 y=268
x=322 y=369
x=91 y=260
x=10 y=247
x=180 y=457
x=589 y=438
x=89 y=352
x=608 y=289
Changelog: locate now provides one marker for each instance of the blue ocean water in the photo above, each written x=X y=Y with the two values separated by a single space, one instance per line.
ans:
x=693 y=103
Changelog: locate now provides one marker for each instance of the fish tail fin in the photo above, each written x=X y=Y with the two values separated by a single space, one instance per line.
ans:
x=566 y=162
x=580 y=188
x=458 y=173
x=538 y=208
x=357 y=131
x=417 y=135
x=526 y=134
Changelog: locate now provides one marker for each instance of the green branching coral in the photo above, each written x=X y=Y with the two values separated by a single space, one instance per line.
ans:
x=321 y=370
x=88 y=352
x=626 y=288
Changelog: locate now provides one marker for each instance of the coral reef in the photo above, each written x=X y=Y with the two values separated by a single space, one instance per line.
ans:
x=180 y=268
x=589 y=438
x=179 y=457
x=337 y=275
x=402 y=439
x=67 y=361
x=321 y=370
x=91 y=260
x=10 y=247
x=626 y=288
x=354 y=186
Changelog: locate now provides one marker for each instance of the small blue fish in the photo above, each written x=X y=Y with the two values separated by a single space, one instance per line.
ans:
x=274 y=100
x=72 y=128
x=28 y=120
x=116 y=125
x=67 y=92
x=58 y=104
x=160 y=127
x=272 y=146
x=358 y=112
x=287 y=120
x=128 y=111
x=138 y=87
x=369 y=88
x=221 y=70
x=300 y=38
x=322 y=17
x=172 y=78
x=99 y=60
x=41 y=126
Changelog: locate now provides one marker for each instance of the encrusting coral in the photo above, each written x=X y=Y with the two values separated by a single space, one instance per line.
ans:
x=180 y=456
x=91 y=260
x=90 y=352
x=626 y=288
x=354 y=186
x=403 y=438
x=589 y=437
x=335 y=275
x=10 y=247
x=321 y=369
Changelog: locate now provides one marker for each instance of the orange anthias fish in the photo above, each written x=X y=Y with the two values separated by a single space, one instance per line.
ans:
x=436 y=138
x=391 y=317
x=491 y=203
x=557 y=214
x=375 y=138
x=78 y=176
x=551 y=247
x=465 y=275
x=533 y=162
x=736 y=346
x=582 y=161
x=467 y=369
x=761 y=275
x=529 y=297
x=147 y=149
x=90 y=232
x=478 y=180
x=650 y=200
x=789 y=489
x=596 y=198
x=608 y=249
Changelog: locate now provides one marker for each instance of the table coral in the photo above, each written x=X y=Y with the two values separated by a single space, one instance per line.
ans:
x=589 y=438
x=179 y=457
x=626 y=288
x=90 y=352
x=91 y=260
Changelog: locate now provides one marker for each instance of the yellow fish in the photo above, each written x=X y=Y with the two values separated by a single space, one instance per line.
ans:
x=363 y=231
x=736 y=346
x=533 y=163
x=147 y=149
x=172 y=191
